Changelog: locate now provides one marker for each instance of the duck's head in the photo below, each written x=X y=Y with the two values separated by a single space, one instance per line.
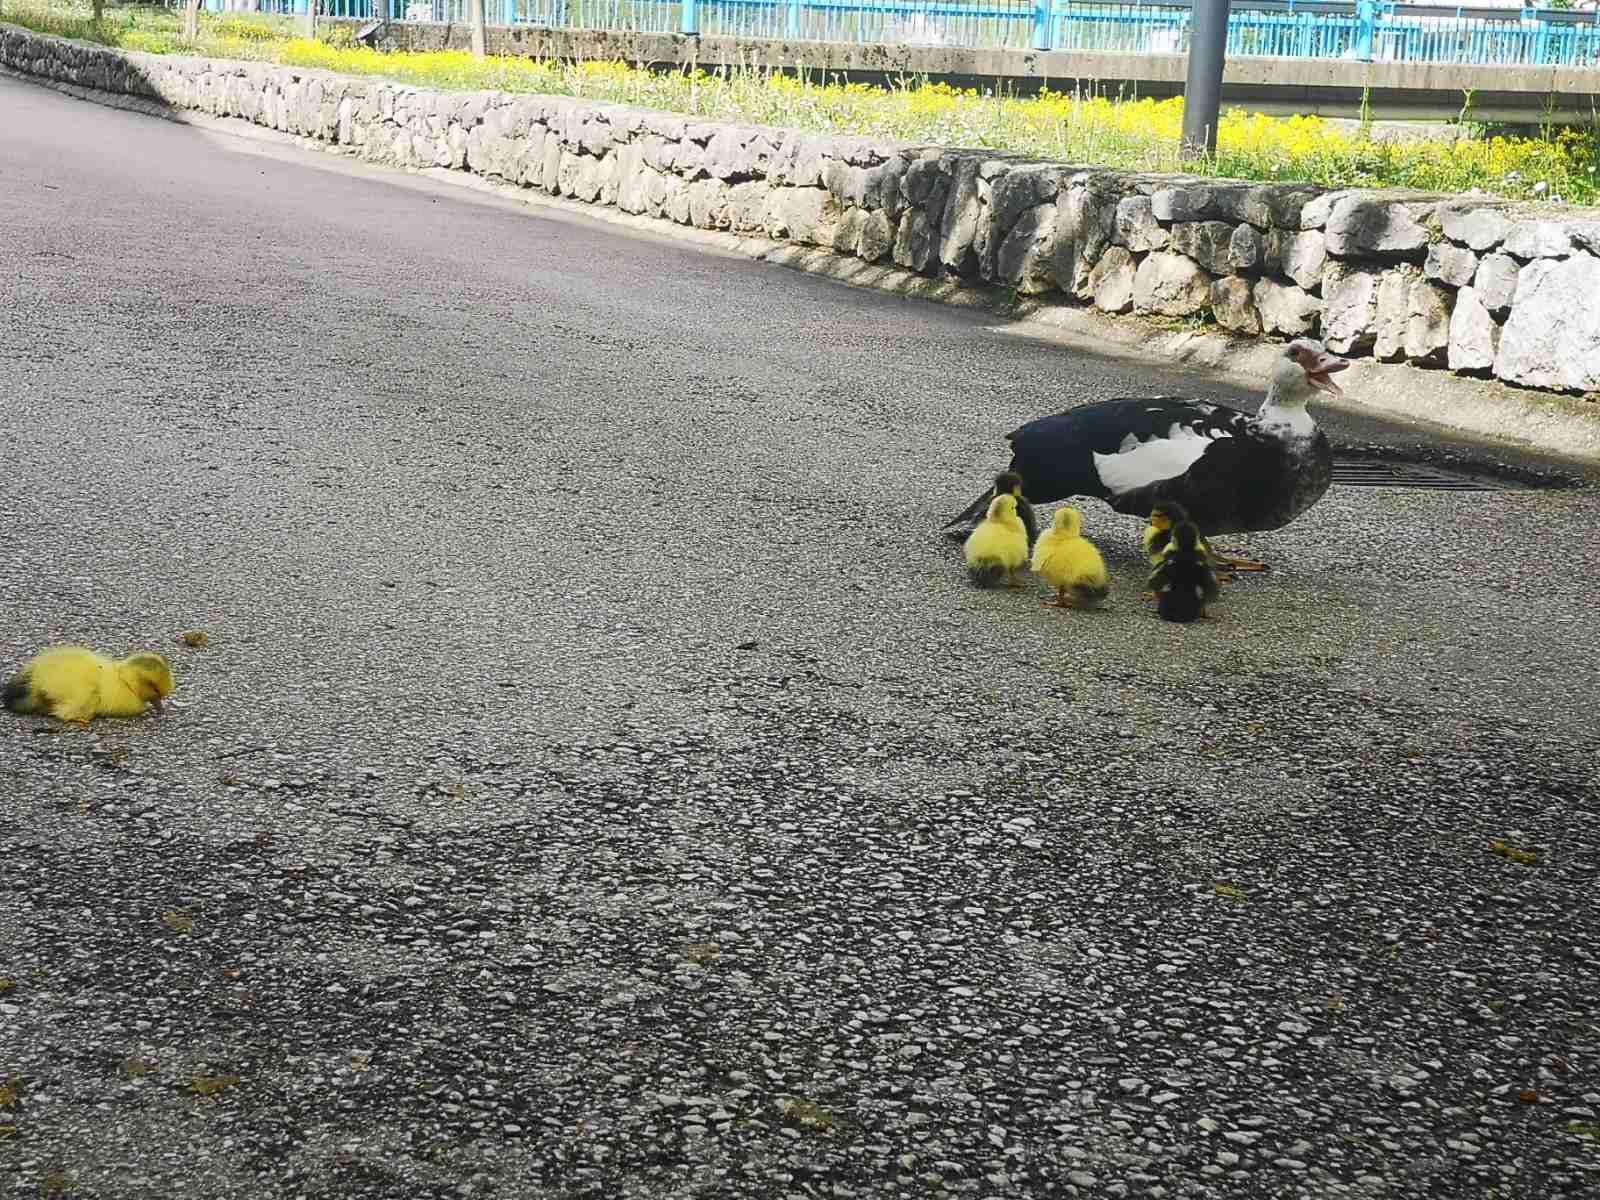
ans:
x=148 y=675
x=1068 y=521
x=1003 y=506
x=1304 y=367
x=1167 y=514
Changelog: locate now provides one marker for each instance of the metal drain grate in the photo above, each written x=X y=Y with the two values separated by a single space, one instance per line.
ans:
x=1370 y=472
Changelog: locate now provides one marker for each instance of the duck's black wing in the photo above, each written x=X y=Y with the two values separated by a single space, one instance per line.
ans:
x=1243 y=482
x=1055 y=455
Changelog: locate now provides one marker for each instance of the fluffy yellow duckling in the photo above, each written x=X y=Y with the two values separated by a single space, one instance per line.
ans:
x=998 y=547
x=73 y=683
x=1067 y=559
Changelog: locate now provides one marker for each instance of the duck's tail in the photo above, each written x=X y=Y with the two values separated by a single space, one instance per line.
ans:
x=17 y=694
x=961 y=524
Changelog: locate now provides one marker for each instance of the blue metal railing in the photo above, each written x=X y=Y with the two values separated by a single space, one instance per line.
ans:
x=1365 y=30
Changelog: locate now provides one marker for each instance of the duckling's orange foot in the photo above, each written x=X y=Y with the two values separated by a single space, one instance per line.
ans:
x=1231 y=563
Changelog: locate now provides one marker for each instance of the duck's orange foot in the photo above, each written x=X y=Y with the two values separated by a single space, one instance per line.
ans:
x=1229 y=562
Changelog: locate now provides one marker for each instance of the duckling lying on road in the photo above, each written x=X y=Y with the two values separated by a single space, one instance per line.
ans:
x=73 y=683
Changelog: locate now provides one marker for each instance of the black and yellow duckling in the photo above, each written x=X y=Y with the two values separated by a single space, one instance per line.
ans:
x=1067 y=560
x=1009 y=483
x=1158 y=536
x=73 y=683
x=998 y=547
x=1184 y=582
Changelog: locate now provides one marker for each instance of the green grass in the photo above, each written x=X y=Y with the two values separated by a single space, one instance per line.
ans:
x=1142 y=135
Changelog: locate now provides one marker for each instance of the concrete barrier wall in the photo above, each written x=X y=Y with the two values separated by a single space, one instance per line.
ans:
x=1458 y=283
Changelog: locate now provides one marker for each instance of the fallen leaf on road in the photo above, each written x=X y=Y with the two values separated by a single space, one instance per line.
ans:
x=178 y=921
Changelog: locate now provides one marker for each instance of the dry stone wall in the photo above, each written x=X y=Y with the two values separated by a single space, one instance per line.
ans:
x=1460 y=283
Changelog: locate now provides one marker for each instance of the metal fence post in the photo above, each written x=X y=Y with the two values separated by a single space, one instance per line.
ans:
x=1041 y=23
x=1202 y=90
x=689 y=22
x=1366 y=28
x=791 y=25
x=1541 y=34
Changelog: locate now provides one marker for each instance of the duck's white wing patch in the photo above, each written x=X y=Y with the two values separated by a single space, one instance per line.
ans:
x=1164 y=457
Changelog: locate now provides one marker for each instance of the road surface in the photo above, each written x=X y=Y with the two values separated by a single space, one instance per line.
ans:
x=600 y=780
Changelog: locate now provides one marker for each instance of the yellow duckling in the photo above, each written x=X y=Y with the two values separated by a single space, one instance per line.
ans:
x=998 y=547
x=73 y=683
x=1067 y=559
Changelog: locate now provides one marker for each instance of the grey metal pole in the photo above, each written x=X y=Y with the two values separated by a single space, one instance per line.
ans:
x=1202 y=92
x=475 y=15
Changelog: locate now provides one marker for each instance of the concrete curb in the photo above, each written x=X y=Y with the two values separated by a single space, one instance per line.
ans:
x=1553 y=424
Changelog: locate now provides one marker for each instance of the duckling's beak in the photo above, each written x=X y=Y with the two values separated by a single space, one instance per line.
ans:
x=156 y=706
x=1321 y=368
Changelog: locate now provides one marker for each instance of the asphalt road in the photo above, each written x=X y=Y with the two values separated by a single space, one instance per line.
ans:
x=601 y=780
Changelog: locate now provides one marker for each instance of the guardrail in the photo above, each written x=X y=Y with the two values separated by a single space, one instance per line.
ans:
x=1362 y=30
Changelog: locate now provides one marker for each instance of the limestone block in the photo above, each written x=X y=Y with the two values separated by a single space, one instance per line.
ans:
x=1476 y=228
x=708 y=204
x=1023 y=190
x=800 y=159
x=747 y=205
x=802 y=214
x=1393 y=312
x=1246 y=249
x=1552 y=338
x=1474 y=334
x=1110 y=281
x=1097 y=217
x=1349 y=308
x=739 y=153
x=1305 y=254
x=1496 y=282
x=1172 y=285
x=1366 y=225
x=875 y=187
x=1285 y=308
x=1186 y=202
x=553 y=157
x=1026 y=257
x=1204 y=241
x=962 y=211
x=1450 y=264
x=1233 y=305
x=1136 y=226
x=1428 y=322
x=1538 y=239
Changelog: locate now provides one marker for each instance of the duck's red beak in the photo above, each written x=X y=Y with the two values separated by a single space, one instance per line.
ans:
x=1319 y=370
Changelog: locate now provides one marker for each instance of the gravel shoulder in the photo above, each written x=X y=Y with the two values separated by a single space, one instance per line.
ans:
x=601 y=780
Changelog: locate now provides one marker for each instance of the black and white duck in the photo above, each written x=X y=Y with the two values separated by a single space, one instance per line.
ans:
x=1231 y=471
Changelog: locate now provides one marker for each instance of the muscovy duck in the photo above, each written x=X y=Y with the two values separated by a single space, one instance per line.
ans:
x=1232 y=472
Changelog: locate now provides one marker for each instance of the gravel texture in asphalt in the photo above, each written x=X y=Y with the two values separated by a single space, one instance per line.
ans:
x=602 y=781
